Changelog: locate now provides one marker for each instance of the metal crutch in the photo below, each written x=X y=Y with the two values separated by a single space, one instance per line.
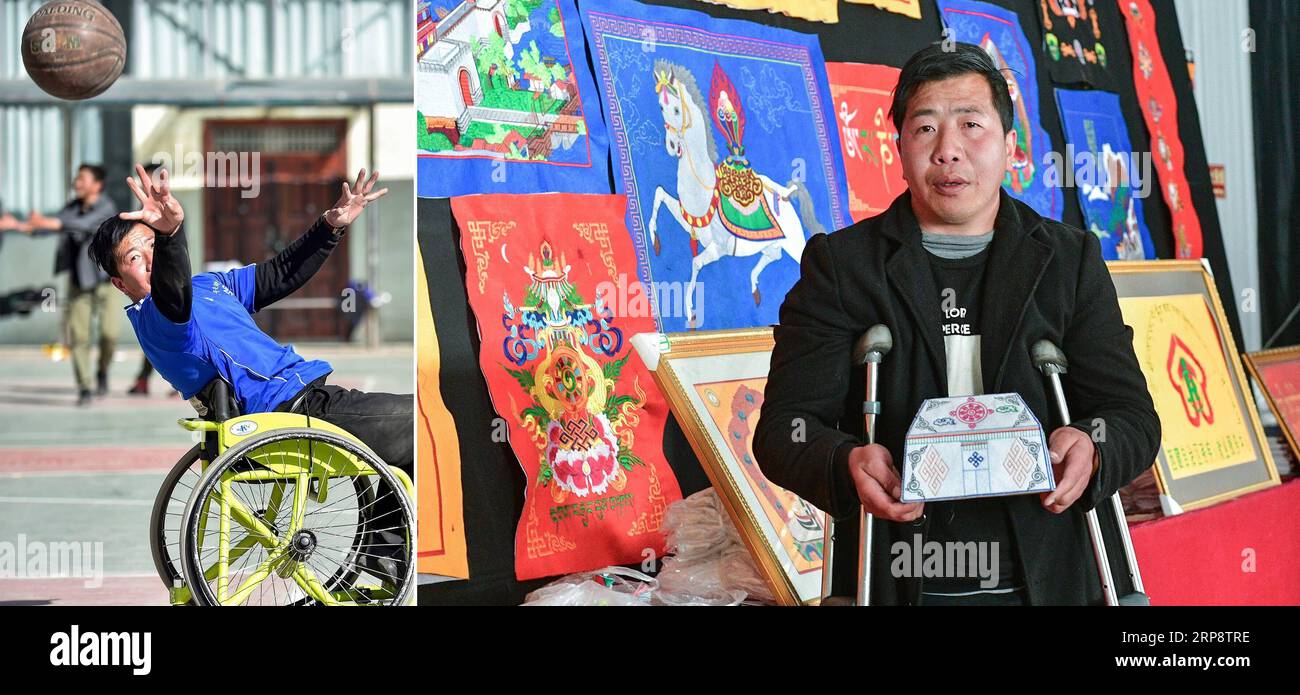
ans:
x=1049 y=359
x=869 y=350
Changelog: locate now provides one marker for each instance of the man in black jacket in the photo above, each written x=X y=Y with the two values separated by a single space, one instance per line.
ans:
x=967 y=279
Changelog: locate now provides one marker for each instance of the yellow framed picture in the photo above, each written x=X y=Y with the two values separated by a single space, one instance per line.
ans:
x=1277 y=372
x=714 y=382
x=1212 y=447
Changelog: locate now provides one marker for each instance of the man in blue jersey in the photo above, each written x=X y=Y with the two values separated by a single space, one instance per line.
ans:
x=198 y=328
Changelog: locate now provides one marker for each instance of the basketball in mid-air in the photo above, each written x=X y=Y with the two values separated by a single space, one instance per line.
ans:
x=73 y=49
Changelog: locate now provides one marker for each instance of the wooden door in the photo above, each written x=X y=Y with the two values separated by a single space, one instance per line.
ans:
x=300 y=174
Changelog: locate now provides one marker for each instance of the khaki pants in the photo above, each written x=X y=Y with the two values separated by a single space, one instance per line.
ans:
x=80 y=308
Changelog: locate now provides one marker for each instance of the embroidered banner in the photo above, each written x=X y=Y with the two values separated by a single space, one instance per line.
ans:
x=1072 y=40
x=909 y=8
x=862 y=95
x=441 y=547
x=552 y=284
x=1031 y=178
x=1155 y=94
x=1110 y=177
x=505 y=101
x=724 y=144
x=814 y=10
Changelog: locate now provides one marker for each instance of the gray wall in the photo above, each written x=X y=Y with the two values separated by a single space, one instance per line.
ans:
x=1213 y=31
x=396 y=224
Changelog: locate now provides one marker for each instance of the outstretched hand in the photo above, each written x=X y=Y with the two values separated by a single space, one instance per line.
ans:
x=158 y=208
x=353 y=200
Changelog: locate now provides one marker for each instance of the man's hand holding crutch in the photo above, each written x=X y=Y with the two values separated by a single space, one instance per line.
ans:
x=872 y=469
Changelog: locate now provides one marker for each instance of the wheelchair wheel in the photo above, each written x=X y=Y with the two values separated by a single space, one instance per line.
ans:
x=165 y=519
x=259 y=529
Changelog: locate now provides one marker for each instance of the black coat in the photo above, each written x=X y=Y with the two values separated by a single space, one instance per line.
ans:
x=1044 y=279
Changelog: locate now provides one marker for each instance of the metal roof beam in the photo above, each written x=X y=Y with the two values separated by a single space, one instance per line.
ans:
x=270 y=92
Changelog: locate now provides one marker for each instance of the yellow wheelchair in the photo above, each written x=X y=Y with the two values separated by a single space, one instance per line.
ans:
x=281 y=509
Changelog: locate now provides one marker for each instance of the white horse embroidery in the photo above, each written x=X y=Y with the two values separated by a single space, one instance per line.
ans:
x=689 y=138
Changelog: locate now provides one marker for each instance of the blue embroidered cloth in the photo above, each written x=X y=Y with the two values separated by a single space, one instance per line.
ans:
x=505 y=102
x=723 y=139
x=1111 y=179
x=1031 y=178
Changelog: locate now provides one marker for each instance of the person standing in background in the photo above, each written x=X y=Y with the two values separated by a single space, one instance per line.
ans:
x=89 y=292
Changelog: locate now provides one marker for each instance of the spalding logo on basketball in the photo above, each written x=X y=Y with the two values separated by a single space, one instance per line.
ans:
x=73 y=49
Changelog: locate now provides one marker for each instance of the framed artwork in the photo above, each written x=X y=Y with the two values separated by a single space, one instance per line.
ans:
x=1277 y=372
x=1212 y=446
x=713 y=381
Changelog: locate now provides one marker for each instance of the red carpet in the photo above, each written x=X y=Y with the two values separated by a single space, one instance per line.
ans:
x=1242 y=552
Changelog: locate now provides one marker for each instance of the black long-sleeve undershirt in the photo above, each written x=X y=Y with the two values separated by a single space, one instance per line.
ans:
x=169 y=279
x=290 y=269
x=277 y=278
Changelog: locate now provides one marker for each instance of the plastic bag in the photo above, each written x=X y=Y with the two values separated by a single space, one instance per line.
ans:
x=680 y=577
x=739 y=573
x=604 y=587
x=696 y=527
x=709 y=565
x=720 y=597
x=710 y=560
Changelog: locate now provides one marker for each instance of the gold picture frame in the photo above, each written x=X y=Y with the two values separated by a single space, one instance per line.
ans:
x=1211 y=476
x=711 y=376
x=1288 y=416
